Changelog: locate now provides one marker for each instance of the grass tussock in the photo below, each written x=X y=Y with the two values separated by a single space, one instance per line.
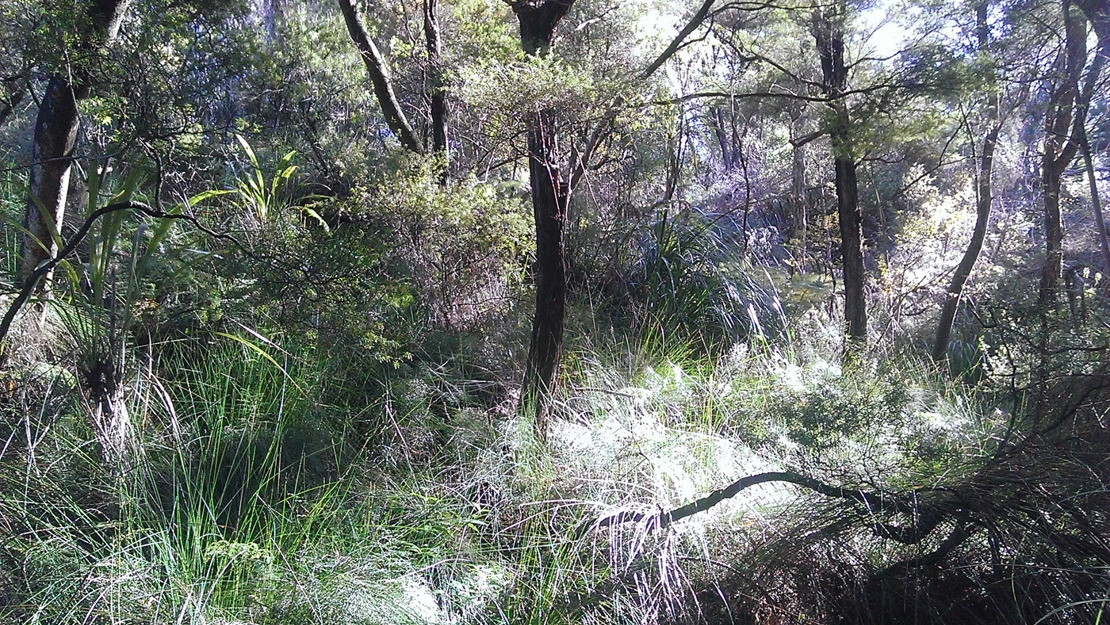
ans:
x=262 y=489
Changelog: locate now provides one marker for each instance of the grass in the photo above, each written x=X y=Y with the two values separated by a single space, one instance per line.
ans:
x=257 y=496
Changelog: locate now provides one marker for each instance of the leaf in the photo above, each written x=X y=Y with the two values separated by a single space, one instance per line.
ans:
x=205 y=195
x=261 y=352
x=313 y=214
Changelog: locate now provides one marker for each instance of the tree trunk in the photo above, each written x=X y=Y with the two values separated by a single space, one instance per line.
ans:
x=1053 y=234
x=801 y=212
x=379 y=77
x=14 y=90
x=436 y=92
x=550 y=199
x=1067 y=111
x=1096 y=202
x=828 y=30
x=984 y=198
x=1098 y=13
x=721 y=133
x=55 y=135
x=51 y=162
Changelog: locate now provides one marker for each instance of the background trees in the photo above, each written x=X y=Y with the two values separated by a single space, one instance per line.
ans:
x=310 y=356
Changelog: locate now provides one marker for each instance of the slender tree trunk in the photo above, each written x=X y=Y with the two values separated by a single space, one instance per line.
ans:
x=728 y=158
x=984 y=199
x=436 y=93
x=801 y=216
x=550 y=199
x=828 y=30
x=379 y=77
x=271 y=15
x=1067 y=110
x=975 y=246
x=1098 y=13
x=14 y=91
x=1054 y=235
x=1096 y=202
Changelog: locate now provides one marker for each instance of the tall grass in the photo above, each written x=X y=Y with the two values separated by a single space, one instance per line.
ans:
x=256 y=498
x=244 y=506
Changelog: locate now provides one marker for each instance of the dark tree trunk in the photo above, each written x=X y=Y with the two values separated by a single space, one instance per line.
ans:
x=1098 y=13
x=1096 y=202
x=14 y=91
x=974 y=247
x=550 y=199
x=436 y=93
x=828 y=30
x=720 y=131
x=1054 y=235
x=379 y=77
x=1064 y=121
x=984 y=199
x=51 y=162
x=851 y=248
x=801 y=212
x=55 y=135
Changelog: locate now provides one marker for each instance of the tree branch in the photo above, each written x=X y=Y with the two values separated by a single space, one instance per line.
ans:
x=875 y=503
x=45 y=267
x=379 y=76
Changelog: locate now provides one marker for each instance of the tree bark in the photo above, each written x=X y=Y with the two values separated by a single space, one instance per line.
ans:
x=379 y=77
x=984 y=199
x=550 y=199
x=1066 y=116
x=1096 y=202
x=828 y=31
x=801 y=216
x=436 y=93
x=51 y=161
x=1098 y=13
x=56 y=129
x=728 y=159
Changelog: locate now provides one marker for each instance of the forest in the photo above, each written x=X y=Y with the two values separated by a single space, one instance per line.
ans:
x=360 y=312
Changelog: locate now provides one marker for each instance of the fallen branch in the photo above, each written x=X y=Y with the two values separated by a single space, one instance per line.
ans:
x=876 y=503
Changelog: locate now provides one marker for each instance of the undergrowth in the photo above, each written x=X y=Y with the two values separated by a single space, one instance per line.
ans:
x=260 y=490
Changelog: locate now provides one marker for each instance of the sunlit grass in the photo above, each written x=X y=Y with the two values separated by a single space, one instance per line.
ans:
x=254 y=499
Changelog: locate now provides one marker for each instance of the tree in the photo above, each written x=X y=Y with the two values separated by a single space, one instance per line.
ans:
x=828 y=31
x=437 y=95
x=551 y=189
x=984 y=198
x=379 y=77
x=1065 y=118
x=55 y=134
x=1099 y=15
x=11 y=95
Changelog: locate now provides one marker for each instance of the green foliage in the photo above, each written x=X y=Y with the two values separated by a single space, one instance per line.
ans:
x=258 y=195
x=688 y=283
x=321 y=407
x=465 y=244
